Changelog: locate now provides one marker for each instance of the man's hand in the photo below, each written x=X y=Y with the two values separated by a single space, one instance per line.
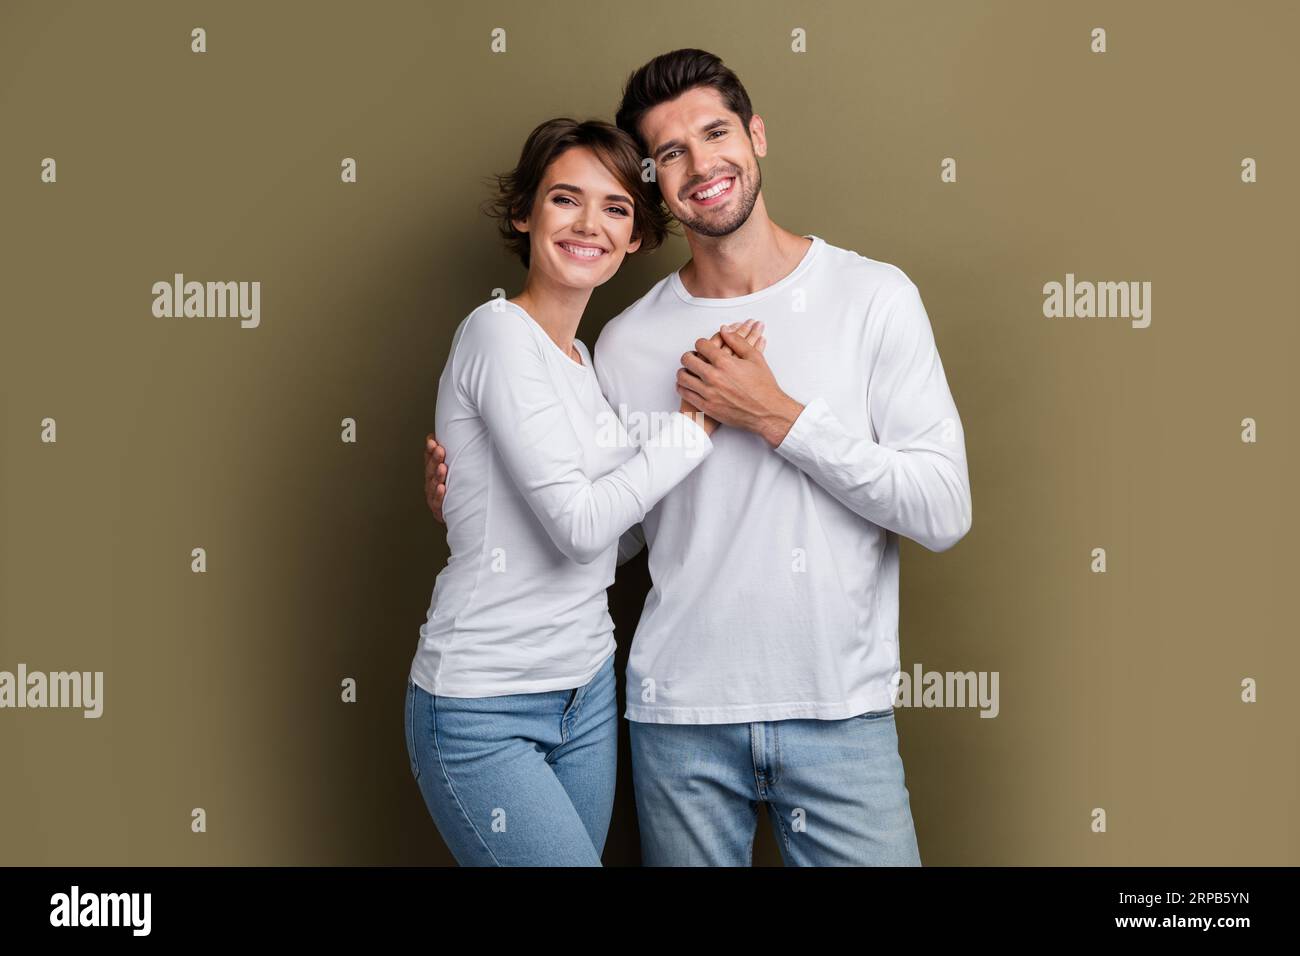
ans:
x=435 y=455
x=435 y=476
x=752 y=332
x=738 y=389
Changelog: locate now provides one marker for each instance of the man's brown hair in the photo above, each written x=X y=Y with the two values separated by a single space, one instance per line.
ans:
x=668 y=76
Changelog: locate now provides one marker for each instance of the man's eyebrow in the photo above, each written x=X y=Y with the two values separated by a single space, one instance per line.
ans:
x=617 y=197
x=707 y=128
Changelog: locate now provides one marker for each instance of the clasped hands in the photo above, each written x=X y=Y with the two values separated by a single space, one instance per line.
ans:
x=727 y=380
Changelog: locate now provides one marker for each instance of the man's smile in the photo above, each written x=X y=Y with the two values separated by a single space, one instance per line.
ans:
x=713 y=192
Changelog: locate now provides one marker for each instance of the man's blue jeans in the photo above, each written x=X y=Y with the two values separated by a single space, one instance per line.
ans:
x=520 y=779
x=834 y=792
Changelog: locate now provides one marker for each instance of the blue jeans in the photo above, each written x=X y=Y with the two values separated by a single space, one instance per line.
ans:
x=834 y=792
x=520 y=779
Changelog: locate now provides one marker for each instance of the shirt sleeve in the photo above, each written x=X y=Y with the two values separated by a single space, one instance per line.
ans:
x=913 y=478
x=630 y=545
x=505 y=378
x=633 y=539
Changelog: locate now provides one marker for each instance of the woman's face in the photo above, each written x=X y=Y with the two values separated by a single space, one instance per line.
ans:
x=580 y=227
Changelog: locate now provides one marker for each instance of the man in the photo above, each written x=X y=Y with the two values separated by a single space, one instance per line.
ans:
x=765 y=662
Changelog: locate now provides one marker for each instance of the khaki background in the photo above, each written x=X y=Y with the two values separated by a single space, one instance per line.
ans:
x=222 y=690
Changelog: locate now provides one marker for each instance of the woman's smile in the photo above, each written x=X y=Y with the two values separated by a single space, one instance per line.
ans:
x=582 y=251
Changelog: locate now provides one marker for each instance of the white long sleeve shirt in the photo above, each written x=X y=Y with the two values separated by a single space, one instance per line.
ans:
x=775 y=571
x=542 y=479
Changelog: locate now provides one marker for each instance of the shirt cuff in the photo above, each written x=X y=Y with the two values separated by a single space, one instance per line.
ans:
x=800 y=441
x=819 y=445
x=680 y=430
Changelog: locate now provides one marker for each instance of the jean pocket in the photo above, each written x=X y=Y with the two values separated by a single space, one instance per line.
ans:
x=411 y=698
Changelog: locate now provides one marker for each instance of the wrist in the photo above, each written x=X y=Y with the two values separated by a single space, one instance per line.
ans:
x=699 y=418
x=774 y=426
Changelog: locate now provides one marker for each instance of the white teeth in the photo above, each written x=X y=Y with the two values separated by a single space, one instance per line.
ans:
x=710 y=193
x=583 y=251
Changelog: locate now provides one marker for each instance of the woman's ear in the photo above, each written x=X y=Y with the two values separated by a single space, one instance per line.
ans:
x=634 y=245
x=521 y=225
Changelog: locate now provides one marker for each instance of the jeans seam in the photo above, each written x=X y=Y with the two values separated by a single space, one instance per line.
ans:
x=755 y=759
x=452 y=789
x=752 y=834
x=581 y=697
x=569 y=718
x=775 y=813
x=566 y=722
x=776 y=754
x=411 y=698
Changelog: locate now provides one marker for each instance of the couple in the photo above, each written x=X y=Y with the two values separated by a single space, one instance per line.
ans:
x=800 y=422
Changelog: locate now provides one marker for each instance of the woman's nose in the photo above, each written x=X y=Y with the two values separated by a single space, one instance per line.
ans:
x=589 y=221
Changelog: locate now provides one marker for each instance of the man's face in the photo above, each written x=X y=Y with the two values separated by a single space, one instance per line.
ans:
x=706 y=165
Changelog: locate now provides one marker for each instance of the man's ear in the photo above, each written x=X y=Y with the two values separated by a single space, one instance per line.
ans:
x=758 y=135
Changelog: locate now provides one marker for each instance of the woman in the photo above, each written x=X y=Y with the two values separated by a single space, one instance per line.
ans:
x=511 y=713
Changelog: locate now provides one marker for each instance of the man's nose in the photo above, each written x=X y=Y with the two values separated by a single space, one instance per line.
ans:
x=701 y=166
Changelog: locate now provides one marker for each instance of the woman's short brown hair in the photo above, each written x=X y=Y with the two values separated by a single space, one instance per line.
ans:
x=618 y=152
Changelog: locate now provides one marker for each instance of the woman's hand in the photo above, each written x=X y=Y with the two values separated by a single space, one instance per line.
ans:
x=752 y=332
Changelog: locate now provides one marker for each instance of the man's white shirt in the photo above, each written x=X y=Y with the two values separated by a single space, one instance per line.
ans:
x=775 y=571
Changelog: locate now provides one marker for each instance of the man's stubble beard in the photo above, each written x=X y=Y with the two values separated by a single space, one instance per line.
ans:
x=748 y=197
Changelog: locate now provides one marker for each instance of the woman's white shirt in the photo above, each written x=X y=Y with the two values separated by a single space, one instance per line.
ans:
x=543 y=478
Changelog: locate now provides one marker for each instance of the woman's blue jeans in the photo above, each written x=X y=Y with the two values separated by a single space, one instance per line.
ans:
x=520 y=779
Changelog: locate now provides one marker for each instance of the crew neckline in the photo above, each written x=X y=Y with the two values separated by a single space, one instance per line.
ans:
x=537 y=328
x=675 y=280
